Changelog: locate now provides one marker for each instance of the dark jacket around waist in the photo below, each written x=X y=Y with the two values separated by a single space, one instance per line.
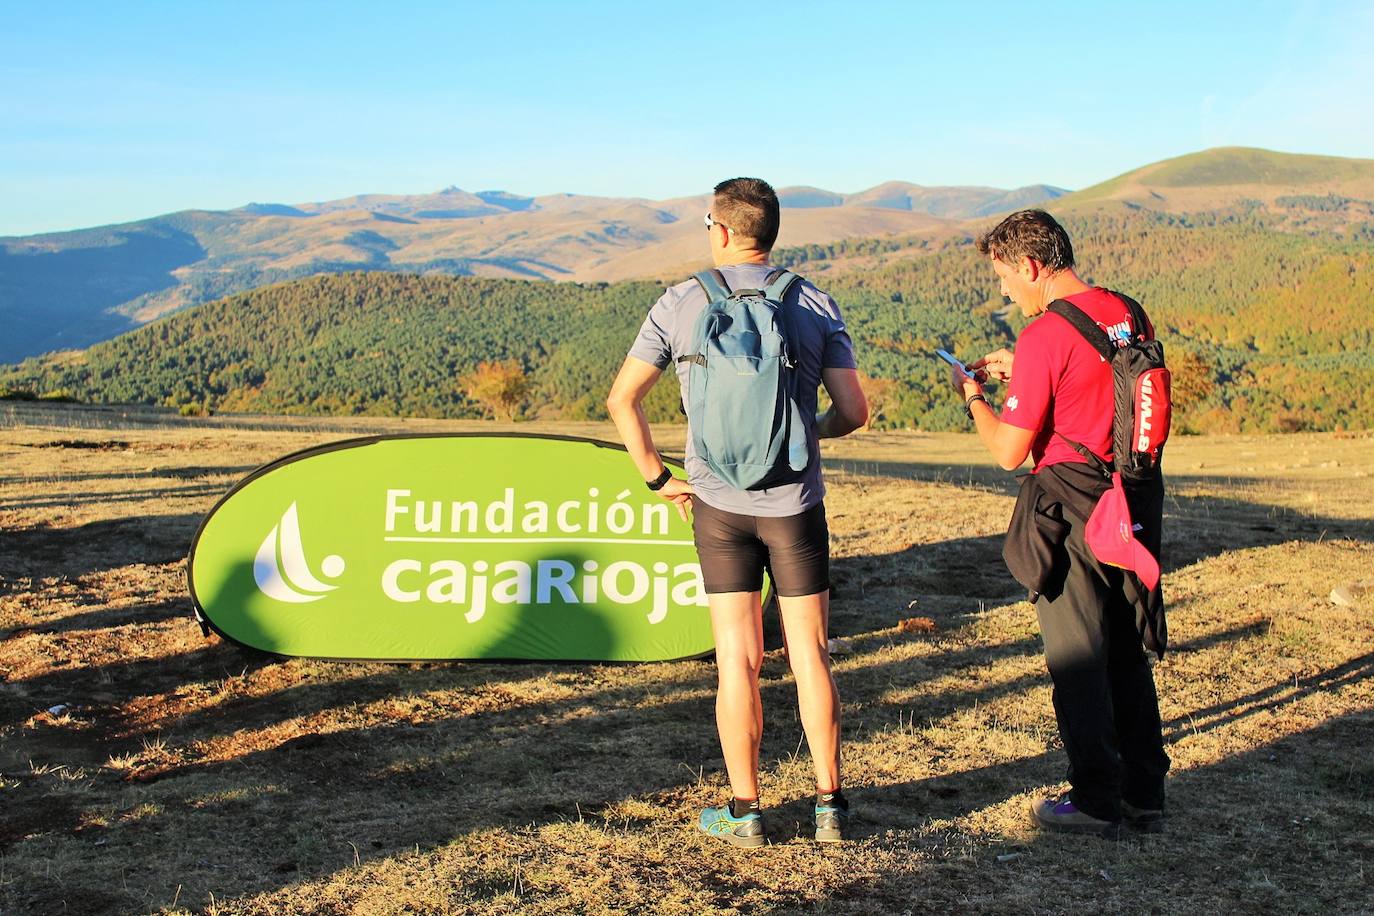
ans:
x=1036 y=551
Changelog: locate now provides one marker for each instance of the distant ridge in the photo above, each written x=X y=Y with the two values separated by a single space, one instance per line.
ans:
x=949 y=202
x=804 y=197
x=1227 y=173
x=72 y=289
x=273 y=210
x=954 y=202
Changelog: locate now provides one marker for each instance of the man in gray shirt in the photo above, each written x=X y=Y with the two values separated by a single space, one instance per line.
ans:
x=740 y=532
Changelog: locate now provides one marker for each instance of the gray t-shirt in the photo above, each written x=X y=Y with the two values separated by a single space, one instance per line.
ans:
x=822 y=343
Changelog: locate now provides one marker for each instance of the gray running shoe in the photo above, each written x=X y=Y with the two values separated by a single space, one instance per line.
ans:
x=831 y=821
x=1061 y=815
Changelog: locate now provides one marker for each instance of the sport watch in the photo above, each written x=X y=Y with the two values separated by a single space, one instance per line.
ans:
x=658 y=482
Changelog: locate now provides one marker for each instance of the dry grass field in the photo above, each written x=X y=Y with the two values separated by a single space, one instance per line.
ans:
x=145 y=768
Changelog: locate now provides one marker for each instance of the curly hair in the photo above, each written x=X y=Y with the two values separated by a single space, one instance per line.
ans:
x=1030 y=234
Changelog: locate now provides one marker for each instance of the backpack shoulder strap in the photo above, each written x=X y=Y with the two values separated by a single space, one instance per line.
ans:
x=779 y=282
x=1138 y=321
x=1104 y=468
x=713 y=285
x=1085 y=326
x=717 y=290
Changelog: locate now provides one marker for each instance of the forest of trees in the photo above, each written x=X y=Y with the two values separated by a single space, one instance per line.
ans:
x=1267 y=330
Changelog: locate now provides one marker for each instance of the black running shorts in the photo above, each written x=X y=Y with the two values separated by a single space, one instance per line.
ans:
x=735 y=550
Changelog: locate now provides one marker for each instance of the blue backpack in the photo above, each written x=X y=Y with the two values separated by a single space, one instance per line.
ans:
x=742 y=385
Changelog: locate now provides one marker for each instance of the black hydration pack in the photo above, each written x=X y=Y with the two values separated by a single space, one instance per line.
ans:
x=1140 y=423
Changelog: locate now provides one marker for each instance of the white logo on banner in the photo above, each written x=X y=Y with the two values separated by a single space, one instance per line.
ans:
x=280 y=568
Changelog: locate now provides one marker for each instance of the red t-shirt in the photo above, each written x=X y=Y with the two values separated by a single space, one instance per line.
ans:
x=1060 y=384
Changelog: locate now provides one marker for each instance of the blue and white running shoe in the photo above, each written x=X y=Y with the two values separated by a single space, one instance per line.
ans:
x=746 y=831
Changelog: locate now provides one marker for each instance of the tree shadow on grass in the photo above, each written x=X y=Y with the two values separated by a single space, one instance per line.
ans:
x=135 y=677
x=982 y=475
x=51 y=500
x=1199 y=527
x=532 y=780
x=970 y=568
x=44 y=552
x=640 y=740
x=1195 y=528
x=180 y=472
x=239 y=714
x=1280 y=827
x=104 y=618
x=391 y=788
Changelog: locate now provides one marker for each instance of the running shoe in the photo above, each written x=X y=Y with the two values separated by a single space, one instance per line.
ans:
x=1061 y=815
x=746 y=831
x=830 y=821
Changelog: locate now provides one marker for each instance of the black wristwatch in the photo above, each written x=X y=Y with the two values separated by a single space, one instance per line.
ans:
x=658 y=482
x=968 y=405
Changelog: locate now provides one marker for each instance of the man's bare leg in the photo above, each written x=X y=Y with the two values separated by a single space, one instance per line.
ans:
x=805 y=621
x=737 y=624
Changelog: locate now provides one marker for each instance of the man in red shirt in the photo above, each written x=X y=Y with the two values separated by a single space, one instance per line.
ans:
x=1060 y=392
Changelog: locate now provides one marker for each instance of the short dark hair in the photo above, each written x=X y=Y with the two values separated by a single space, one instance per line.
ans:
x=1030 y=234
x=750 y=207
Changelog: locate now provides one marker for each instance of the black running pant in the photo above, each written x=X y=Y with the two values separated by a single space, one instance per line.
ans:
x=1104 y=691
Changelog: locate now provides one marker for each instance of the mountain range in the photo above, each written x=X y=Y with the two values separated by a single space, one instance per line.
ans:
x=70 y=289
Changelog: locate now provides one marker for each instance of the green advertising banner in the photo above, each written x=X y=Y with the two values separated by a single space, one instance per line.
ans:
x=415 y=548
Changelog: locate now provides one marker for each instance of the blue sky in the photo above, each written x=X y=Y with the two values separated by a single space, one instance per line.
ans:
x=114 y=112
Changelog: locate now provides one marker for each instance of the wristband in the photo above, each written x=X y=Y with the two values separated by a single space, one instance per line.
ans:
x=968 y=405
x=658 y=482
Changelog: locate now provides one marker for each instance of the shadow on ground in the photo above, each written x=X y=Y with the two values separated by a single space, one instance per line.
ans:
x=47 y=552
x=408 y=783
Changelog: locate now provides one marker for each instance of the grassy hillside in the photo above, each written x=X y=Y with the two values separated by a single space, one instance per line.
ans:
x=380 y=343
x=1267 y=330
x=374 y=343
x=1221 y=176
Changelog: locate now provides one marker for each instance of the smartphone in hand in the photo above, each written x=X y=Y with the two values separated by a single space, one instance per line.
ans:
x=953 y=361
